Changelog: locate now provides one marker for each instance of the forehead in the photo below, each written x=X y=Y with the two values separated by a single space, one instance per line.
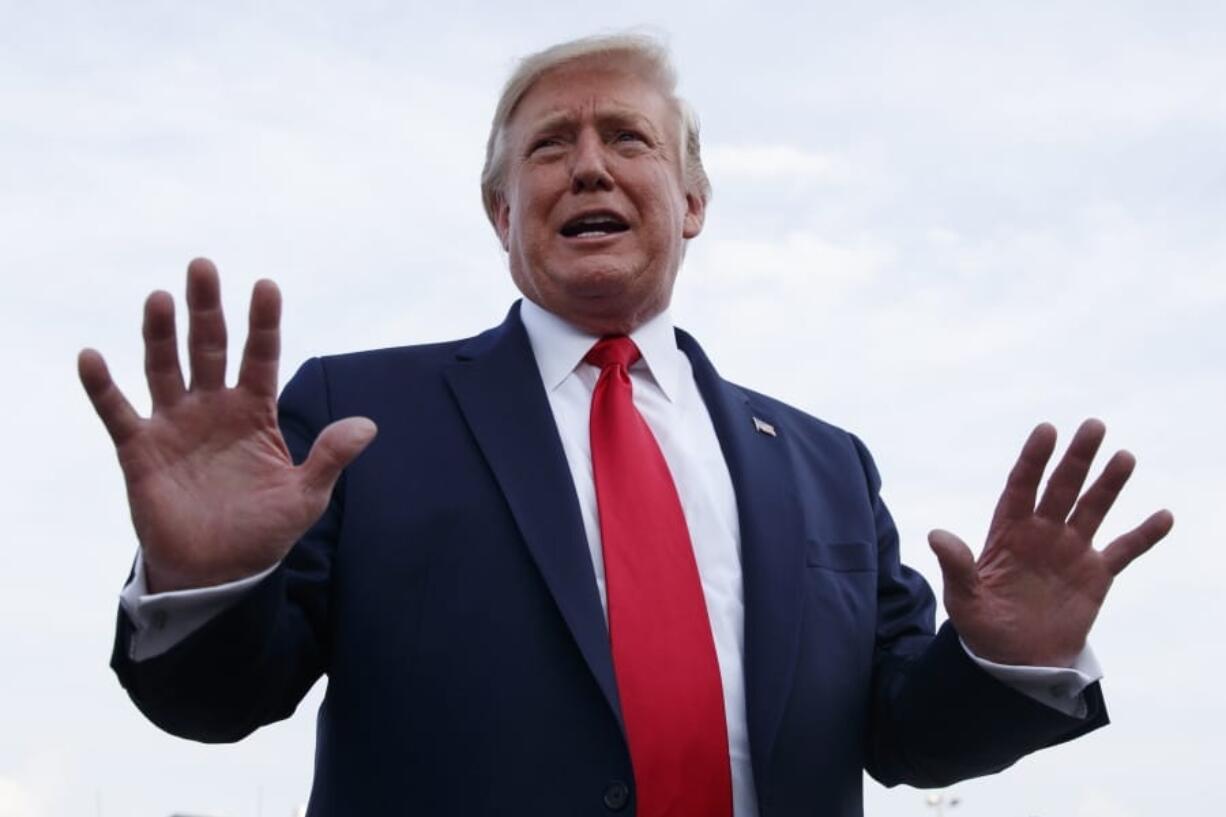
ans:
x=592 y=90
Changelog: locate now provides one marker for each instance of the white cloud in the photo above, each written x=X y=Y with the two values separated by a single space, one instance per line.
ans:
x=795 y=261
x=1101 y=803
x=18 y=801
x=770 y=163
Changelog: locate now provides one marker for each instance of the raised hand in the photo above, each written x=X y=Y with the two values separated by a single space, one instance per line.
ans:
x=213 y=492
x=1036 y=589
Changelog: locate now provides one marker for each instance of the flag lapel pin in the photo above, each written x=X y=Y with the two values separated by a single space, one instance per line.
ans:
x=764 y=427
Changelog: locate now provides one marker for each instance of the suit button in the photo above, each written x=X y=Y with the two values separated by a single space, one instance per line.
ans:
x=616 y=795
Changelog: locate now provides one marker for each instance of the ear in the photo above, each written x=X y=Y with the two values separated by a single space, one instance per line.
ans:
x=502 y=221
x=695 y=215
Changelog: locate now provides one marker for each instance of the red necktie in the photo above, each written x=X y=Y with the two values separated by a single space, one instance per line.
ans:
x=663 y=654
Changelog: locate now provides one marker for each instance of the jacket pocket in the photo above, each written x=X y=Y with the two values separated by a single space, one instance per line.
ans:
x=843 y=556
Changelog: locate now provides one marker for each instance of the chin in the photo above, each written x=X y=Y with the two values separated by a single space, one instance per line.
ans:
x=602 y=294
x=612 y=311
x=595 y=278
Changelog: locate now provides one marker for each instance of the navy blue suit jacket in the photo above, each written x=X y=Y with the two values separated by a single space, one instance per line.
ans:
x=448 y=594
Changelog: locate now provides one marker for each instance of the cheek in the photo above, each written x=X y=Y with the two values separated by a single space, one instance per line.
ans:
x=666 y=199
x=529 y=199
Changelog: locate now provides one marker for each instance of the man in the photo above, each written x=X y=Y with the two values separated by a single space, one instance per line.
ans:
x=577 y=572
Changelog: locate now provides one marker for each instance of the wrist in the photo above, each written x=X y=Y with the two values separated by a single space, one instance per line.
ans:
x=161 y=577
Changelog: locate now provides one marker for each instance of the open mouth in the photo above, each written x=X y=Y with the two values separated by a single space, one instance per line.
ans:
x=594 y=225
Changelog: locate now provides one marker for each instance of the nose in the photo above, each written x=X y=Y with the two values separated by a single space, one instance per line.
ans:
x=589 y=172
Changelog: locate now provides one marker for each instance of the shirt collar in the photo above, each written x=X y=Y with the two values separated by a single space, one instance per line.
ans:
x=559 y=347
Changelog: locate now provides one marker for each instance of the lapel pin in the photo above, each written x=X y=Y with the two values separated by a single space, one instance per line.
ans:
x=764 y=427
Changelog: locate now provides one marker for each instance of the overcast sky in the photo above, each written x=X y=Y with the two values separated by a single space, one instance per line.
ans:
x=934 y=224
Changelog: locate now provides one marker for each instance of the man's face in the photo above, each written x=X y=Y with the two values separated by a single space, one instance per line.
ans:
x=594 y=213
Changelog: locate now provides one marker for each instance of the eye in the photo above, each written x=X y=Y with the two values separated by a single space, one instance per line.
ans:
x=629 y=136
x=545 y=143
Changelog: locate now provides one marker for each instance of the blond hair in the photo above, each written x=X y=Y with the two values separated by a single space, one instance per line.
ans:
x=644 y=54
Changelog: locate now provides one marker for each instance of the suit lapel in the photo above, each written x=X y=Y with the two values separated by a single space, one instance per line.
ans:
x=772 y=547
x=498 y=387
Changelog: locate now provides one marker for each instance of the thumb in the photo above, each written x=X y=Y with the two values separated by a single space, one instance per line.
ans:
x=337 y=446
x=956 y=560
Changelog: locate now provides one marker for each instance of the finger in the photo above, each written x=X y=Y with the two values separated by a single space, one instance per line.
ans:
x=258 y=371
x=1018 y=498
x=337 y=446
x=1098 y=499
x=1066 y=480
x=117 y=414
x=1120 y=553
x=957 y=563
x=162 y=370
x=206 y=334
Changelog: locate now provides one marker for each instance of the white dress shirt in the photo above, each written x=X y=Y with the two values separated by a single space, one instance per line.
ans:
x=668 y=399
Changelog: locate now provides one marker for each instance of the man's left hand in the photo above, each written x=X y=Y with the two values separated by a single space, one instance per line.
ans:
x=1036 y=589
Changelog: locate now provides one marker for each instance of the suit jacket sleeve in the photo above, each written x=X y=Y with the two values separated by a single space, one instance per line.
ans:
x=252 y=664
x=937 y=717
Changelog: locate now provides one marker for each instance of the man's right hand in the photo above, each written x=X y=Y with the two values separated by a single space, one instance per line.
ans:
x=213 y=492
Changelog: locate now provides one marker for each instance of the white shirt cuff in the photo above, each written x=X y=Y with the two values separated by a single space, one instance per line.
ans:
x=162 y=620
x=1057 y=687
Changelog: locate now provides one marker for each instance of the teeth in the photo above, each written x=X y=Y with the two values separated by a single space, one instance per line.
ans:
x=592 y=226
x=597 y=219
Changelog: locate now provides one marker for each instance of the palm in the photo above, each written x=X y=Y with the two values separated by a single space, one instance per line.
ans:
x=210 y=484
x=1036 y=589
x=213 y=492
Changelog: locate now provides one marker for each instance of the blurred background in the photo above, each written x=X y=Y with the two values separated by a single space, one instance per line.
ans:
x=933 y=224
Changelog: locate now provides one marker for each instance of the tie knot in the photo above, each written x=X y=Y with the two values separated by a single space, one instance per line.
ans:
x=616 y=350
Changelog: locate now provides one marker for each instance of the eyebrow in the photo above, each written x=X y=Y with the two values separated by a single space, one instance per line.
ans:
x=611 y=115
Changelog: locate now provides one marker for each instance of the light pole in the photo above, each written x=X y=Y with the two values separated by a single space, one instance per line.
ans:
x=940 y=801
